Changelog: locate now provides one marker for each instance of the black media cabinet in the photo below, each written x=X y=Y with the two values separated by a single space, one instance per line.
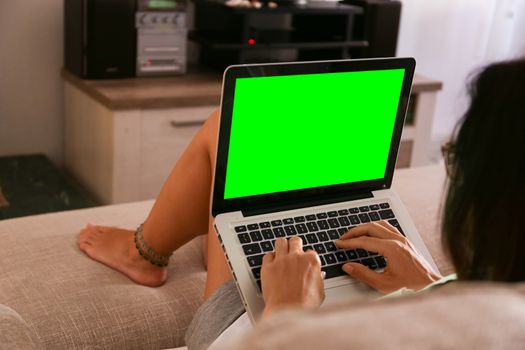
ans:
x=315 y=31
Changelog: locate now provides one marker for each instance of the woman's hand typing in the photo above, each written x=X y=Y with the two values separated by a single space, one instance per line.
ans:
x=405 y=267
x=291 y=277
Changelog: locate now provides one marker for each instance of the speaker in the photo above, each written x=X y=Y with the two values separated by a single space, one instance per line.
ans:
x=379 y=26
x=100 y=38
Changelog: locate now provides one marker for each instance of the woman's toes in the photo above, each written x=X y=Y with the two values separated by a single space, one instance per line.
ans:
x=88 y=233
x=84 y=245
x=93 y=228
x=82 y=236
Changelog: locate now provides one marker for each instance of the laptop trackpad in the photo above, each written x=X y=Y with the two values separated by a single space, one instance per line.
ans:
x=353 y=291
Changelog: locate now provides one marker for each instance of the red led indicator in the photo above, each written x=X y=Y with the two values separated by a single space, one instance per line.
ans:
x=251 y=41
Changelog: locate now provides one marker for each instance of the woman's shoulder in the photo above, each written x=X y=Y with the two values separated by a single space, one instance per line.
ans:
x=465 y=312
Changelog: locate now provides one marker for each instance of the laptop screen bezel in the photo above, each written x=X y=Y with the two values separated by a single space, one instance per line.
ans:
x=221 y=205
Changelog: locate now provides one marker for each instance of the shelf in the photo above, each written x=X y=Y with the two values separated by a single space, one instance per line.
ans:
x=273 y=39
x=317 y=30
x=313 y=7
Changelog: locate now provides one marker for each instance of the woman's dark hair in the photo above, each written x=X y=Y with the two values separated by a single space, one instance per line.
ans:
x=484 y=213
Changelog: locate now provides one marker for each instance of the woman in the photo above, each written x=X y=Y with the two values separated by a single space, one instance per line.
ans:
x=481 y=227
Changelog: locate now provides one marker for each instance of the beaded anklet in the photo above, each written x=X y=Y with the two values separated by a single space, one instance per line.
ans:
x=148 y=253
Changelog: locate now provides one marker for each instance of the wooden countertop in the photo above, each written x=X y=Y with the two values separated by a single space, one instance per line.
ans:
x=199 y=87
x=424 y=84
x=196 y=88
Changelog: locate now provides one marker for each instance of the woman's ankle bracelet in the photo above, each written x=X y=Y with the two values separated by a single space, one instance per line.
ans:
x=148 y=253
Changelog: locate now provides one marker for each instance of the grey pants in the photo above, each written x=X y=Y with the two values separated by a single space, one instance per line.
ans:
x=216 y=314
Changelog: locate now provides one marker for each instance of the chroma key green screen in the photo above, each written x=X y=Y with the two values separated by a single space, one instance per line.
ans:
x=302 y=131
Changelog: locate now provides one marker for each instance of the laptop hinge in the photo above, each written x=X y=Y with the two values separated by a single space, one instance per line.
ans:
x=304 y=203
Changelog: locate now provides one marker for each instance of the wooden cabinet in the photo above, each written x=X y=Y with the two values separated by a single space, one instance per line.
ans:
x=164 y=135
x=122 y=138
x=124 y=156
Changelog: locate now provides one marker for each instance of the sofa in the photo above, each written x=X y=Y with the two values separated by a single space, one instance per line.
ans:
x=58 y=298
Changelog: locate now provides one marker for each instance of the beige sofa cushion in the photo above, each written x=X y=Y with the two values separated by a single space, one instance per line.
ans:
x=72 y=302
x=464 y=316
x=15 y=333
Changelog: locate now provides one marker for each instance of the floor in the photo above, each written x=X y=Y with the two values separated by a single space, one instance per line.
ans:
x=33 y=185
x=3 y=200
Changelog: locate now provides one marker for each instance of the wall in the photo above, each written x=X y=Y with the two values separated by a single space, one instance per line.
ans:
x=517 y=42
x=451 y=39
x=31 y=35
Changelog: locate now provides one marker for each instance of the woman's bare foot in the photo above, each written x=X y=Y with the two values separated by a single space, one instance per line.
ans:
x=115 y=248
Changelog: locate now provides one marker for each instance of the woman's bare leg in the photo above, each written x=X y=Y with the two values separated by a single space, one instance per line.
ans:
x=181 y=212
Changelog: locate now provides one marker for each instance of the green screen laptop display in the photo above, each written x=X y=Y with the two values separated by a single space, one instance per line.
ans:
x=302 y=131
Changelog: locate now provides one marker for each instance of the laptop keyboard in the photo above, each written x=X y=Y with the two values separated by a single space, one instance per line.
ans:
x=318 y=232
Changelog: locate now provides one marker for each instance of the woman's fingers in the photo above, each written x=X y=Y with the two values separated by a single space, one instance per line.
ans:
x=389 y=227
x=295 y=245
x=281 y=247
x=385 y=224
x=268 y=258
x=371 y=244
x=364 y=274
x=372 y=229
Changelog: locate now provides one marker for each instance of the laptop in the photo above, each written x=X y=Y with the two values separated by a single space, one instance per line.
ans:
x=309 y=149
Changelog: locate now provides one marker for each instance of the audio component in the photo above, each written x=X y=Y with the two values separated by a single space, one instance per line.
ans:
x=161 y=43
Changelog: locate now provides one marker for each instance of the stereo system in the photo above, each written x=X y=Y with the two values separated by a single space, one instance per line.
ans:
x=106 y=39
x=161 y=43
